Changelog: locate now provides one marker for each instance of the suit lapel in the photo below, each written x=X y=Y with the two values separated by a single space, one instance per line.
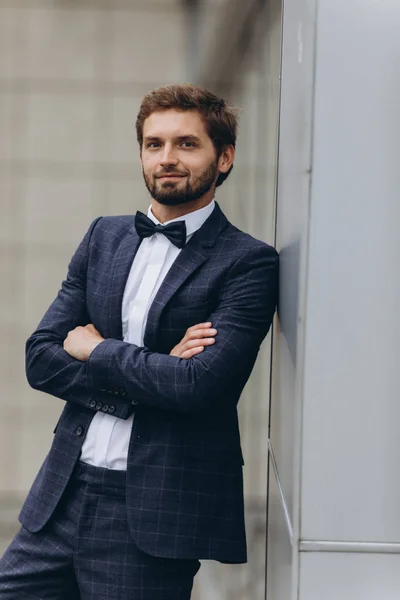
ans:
x=193 y=256
x=121 y=266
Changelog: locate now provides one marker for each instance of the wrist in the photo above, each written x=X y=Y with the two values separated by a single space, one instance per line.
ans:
x=92 y=348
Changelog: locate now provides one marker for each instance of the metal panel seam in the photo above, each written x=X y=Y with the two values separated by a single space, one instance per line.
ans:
x=358 y=547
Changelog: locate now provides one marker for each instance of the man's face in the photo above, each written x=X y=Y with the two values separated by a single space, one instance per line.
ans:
x=178 y=157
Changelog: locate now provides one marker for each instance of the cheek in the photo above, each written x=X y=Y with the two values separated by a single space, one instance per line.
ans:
x=193 y=166
x=149 y=166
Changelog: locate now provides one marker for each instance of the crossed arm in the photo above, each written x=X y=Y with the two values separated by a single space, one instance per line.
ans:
x=189 y=384
x=81 y=341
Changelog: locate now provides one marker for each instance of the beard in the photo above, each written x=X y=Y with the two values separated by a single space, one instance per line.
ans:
x=172 y=193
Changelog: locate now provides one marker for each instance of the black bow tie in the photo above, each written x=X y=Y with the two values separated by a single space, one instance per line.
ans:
x=175 y=232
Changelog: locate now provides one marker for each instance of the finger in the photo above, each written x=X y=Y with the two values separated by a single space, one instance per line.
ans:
x=199 y=342
x=199 y=333
x=199 y=326
x=78 y=328
x=189 y=353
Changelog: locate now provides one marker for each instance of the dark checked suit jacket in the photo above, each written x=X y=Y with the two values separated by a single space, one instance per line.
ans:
x=184 y=474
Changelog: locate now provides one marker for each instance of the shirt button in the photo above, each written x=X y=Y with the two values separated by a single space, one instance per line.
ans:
x=79 y=430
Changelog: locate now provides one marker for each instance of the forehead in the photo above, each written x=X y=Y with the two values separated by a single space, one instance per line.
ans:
x=174 y=123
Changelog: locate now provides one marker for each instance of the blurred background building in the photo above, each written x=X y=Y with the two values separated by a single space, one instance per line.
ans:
x=316 y=175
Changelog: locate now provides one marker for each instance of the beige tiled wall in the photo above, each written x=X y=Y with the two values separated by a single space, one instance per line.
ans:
x=72 y=75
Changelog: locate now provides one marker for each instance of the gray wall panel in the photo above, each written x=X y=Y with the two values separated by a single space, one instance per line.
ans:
x=338 y=576
x=351 y=453
x=292 y=226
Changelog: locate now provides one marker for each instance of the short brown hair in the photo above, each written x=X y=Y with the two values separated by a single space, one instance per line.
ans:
x=220 y=119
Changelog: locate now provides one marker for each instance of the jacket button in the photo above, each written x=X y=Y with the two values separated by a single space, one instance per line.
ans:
x=98 y=406
x=79 y=430
x=105 y=408
x=135 y=402
x=103 y=390
x=111 y=409
x=122 y=392
x=92 y=403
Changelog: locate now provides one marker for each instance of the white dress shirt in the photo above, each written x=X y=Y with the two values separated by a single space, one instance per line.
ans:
x=107 y=439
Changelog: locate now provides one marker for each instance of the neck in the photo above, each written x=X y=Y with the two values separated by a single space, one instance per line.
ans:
x=165 y=213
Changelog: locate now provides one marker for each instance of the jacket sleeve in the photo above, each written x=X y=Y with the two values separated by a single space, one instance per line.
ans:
x=48 y=367
x=243 y=317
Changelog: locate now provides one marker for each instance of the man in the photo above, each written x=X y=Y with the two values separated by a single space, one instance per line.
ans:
x=150 y=342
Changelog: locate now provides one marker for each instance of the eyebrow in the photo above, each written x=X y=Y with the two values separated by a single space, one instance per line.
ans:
x=180 y=138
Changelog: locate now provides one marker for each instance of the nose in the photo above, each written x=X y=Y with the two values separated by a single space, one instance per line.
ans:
x=168 y=157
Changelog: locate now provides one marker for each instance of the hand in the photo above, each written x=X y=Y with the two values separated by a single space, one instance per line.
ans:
x=81 y=341
x=194 y=341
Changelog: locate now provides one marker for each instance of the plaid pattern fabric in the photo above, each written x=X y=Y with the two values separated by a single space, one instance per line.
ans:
x=86 y=552
x=184 y=475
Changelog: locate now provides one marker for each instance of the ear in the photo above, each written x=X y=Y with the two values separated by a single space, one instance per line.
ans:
x=226 y=159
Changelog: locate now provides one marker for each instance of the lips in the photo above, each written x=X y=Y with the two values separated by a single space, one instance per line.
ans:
x=170 y=176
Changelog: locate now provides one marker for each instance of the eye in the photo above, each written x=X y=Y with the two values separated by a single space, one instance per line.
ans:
x=188 y=144
x=153 y=145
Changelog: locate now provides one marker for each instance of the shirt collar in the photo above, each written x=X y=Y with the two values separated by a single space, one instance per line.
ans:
x=193 y=220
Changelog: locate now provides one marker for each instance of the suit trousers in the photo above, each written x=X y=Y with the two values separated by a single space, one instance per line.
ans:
x=86 y=552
